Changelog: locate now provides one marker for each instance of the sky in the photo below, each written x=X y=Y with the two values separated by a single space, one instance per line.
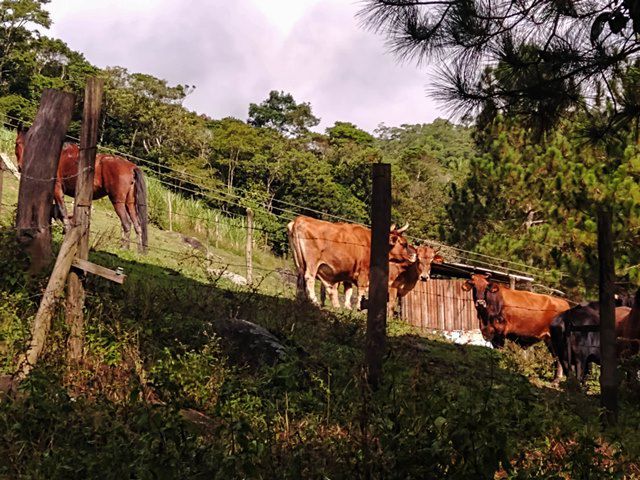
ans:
x=235 y=51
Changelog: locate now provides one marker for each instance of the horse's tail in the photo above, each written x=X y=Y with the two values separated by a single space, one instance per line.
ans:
x=141 y=205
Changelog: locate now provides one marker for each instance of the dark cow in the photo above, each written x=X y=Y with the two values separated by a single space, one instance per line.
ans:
x=514 y=314
x=340 y=252
x=628 y=330
x=575 y=337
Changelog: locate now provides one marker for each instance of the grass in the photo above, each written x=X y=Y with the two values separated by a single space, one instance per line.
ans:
x=223 y=248
x=164 y=392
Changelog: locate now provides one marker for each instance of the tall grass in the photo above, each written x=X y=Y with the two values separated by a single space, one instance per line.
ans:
x=7 y=140
x=191 y=215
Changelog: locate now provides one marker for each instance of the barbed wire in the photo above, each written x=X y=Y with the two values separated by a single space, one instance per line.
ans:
x=293 y=212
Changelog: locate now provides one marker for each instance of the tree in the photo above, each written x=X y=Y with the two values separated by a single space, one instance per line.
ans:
x=15 y=18
x=549 y=54
x=281 y=112
x=539 y=60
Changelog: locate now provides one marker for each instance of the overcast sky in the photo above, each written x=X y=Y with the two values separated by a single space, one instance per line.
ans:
x=236 y=51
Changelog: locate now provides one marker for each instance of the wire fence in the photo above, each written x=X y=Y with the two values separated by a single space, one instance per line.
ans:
x=284 y=211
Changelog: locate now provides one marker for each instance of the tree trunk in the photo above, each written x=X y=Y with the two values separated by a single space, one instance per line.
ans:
x=43 y=144
x=608 y=377
x=376 y=337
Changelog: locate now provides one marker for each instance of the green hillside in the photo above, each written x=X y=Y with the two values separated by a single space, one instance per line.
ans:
x=165 y=392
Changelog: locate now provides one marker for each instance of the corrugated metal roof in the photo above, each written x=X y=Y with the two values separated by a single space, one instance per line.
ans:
x=461 y=270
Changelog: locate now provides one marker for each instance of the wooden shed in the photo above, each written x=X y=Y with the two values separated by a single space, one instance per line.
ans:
x=441 y=304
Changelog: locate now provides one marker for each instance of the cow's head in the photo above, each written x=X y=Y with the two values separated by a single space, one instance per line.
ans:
x=20 y=141
x=400 y=251
x=481 y=287
x=426 y=256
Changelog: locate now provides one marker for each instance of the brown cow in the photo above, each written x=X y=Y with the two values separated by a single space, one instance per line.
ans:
x=405 y=279
x=339 y=252
x=516 y=314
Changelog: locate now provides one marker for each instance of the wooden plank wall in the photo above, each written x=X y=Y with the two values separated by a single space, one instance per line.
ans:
x=440 y=305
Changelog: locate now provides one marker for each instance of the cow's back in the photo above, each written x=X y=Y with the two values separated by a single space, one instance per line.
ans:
x=336 y=251
x=529 y=314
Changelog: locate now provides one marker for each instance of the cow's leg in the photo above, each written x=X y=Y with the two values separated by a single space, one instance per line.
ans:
x=363 y=293
x=391 y=301
x=559 y=371
x=121 y=211
x=580 y=369
x=310 y=284
x=323 y=294
x=332 y=291
x=348 y=293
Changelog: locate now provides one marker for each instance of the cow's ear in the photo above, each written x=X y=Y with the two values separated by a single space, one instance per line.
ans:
x=466 y=286
x=393 y=239
x=493 y=288
x=438 y=259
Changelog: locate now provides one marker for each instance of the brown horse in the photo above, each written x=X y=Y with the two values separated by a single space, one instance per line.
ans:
x=115 y=177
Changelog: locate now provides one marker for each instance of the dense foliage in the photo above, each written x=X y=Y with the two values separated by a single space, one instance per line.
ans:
x=161 y=395
x=272 y=162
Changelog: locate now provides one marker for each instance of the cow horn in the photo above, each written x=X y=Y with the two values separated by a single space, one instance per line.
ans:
x=403 y=229
x=393 y=227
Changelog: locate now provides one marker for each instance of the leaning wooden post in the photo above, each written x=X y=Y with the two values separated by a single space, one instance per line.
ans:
x=608 y=376
x=43 y=144
x=55 y=286
x=82 y=213
x=376 y=337
x=249 y=248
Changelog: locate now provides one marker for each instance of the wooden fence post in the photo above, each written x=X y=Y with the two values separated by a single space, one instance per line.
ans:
x=170 y=211
x=217 y=228
x=82 y=213
x=608 y=376
x=55 y=286
x=249 y=248
x=40 y=165
x=376 y=336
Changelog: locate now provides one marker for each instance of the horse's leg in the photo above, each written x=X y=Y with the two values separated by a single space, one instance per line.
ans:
x=121 y=211
x=58 y=196
x=131 y=210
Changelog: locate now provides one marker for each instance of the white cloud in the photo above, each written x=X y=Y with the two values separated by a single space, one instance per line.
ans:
x=235 y=52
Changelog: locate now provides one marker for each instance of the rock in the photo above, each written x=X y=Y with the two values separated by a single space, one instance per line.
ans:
x=193 y=242
x=287 y=276
x=472 y=337
x=232 y=277
x=249 y=343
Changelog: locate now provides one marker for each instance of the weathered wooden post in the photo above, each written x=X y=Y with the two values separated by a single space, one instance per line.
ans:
x=170 y=211
x=249 y=247
x=608 y=377
x=82 y=213
x=376 y=337
x=40 y=164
